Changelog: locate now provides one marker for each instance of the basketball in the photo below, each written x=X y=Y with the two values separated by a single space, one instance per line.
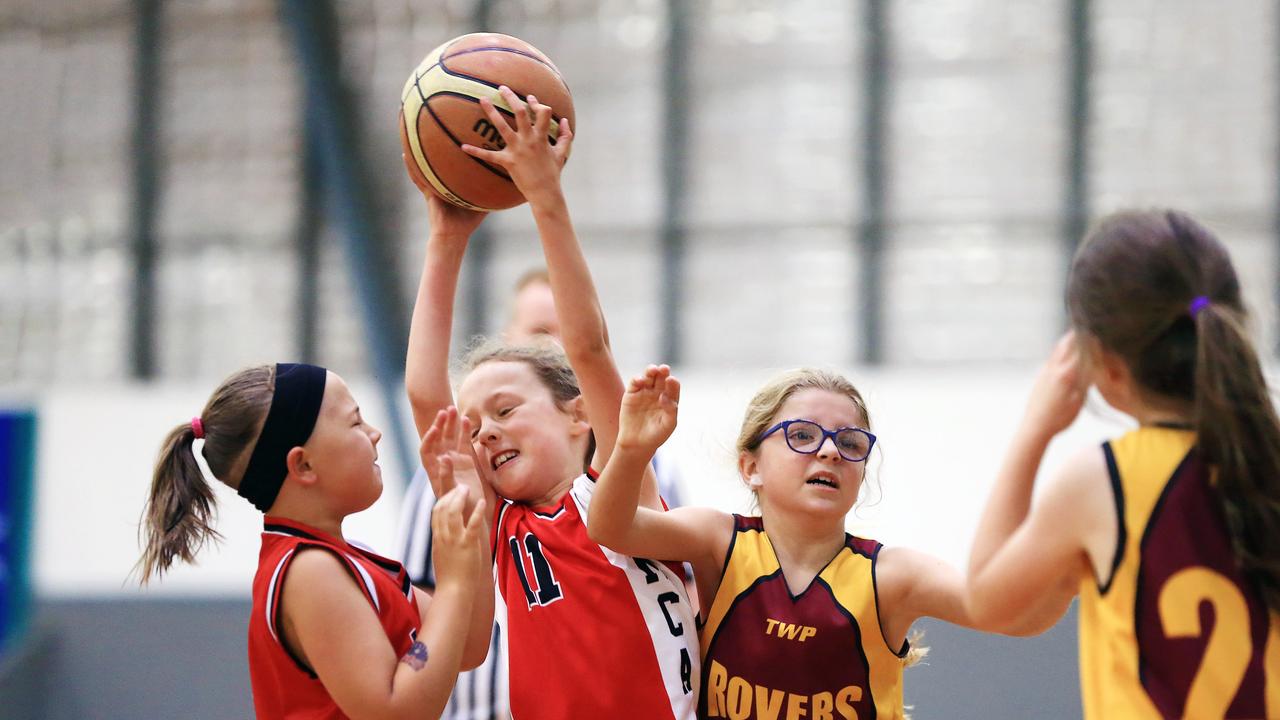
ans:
x=440 y=111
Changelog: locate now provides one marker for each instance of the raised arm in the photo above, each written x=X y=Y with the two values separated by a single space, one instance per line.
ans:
x=615 y=520
x=534 y=166
x=426 y=368
x=1020 y=549
x=449 y=459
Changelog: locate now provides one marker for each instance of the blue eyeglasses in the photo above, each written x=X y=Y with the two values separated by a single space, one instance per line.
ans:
x=807 y=436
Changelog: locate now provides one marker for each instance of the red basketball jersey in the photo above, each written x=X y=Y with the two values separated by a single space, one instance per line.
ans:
x=283 y=687
x=589 y=633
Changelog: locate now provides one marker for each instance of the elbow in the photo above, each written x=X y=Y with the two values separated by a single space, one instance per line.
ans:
x=475 y=657
x=585 y=348
x=418 y=396
x=994 y=612
x=982 y=611
x=597 y=535
x=600 y=534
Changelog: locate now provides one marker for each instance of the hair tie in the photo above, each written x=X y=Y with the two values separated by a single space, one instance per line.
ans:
x=1201 y=302
x=197 y=427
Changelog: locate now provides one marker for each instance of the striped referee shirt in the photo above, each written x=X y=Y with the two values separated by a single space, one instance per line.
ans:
x=480 y=694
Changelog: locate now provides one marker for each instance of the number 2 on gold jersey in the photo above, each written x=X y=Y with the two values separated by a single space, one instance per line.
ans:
x=1229 y=646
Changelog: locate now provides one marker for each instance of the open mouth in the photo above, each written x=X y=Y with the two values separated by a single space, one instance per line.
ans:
x=823 y=480
x=503 y=458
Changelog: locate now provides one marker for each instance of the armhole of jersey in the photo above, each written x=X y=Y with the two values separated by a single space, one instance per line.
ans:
x=708 y=603
x=733 y=540
x=1122 y=533
x=275 y=592
x=875 y=590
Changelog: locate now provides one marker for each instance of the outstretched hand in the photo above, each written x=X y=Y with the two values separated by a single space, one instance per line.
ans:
x=449 y=458
x=528 y=155
x=1059 y=390
x=649 y=409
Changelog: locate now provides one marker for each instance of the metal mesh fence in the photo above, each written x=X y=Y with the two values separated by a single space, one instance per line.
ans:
x=1184 y=113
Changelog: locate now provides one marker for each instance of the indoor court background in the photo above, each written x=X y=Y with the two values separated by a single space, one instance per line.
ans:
x=892 y=188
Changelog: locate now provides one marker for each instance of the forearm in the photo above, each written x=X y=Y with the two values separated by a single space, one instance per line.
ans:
x=616 y=499
x=582 y=325
x=1010 y=500
x=421 y=688
x=480 y=629
x=427 y=365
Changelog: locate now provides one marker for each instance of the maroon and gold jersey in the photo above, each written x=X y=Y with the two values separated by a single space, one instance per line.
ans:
x=283 y=687
x=820 y=654
x=1175 y=630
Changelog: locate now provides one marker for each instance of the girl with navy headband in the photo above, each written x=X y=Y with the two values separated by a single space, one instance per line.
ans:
x=336 y=631
x=1170 y=533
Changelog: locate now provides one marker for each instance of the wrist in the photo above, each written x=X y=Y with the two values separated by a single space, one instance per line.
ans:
x=630 y=451
x=547 y=197
x=457 y=584
x=1034 y=437
x=449 y=238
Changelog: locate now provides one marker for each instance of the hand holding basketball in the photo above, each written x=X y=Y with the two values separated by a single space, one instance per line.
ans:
x=649 y=410
x=440 y=110
x=533 y=164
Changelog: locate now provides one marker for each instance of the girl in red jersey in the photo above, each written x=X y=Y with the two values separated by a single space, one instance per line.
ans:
x=801 y=618
x=1170 y=533
x=589 y=632
x=336 y=631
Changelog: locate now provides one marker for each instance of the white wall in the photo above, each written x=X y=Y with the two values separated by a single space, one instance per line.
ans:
x=942 y=435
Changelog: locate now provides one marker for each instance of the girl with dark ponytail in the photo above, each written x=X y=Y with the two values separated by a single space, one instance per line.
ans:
x=336 y=631
x=1170 y=534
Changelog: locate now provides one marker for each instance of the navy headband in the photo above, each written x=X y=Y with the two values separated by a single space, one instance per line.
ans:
x=295 y=405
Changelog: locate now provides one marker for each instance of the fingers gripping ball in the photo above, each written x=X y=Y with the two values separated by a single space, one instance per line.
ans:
x=440 y=111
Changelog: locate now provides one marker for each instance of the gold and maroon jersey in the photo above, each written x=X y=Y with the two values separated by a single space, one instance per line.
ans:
x=1175 y=630
x=820 y=654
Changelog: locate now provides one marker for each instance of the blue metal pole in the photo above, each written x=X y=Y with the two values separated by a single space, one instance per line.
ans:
x=370 y=255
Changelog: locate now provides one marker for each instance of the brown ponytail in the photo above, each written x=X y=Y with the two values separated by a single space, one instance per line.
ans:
x=1239 y=434
x=178 y=518
x=1159 y=290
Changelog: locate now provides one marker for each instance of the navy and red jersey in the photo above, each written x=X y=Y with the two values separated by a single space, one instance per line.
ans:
x=283 y=686
x=820 y=654
x=589 y=633
x=1176 y=629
